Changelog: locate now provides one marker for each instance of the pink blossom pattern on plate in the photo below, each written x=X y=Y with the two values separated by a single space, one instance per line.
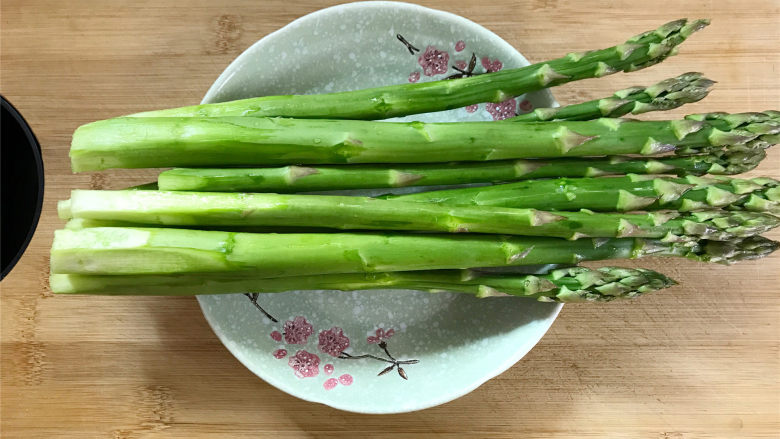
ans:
x=333 y=341
x=328 y=368
x=434 y=61
x=379 y=335
x=346 y=379
x=414 y=76
x=276 y=335
x=460 y=45
x=491 y=66
x=461 y=64
x=280 y=353
x=297 y=331
x=330 y=383
x=526 y=105
x=502 y=110
x=305 y=364
x=472 y=108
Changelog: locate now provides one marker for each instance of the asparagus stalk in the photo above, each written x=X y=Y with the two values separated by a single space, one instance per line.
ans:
x=665 y=95
x=577 y=284
x=133 y=142
x=398 y=100
x=609 y=194
x=82 y=223
x=195 y=209
x=334 y=177
x=124 y=251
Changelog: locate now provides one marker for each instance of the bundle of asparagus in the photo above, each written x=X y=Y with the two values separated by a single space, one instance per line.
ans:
x=559 y=186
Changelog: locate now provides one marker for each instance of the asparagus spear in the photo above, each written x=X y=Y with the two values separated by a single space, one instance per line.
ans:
x=609 y=194
x=195 y=209
x=665 y=95
x=577 y=284
x=334 y=177
x=398 y=100
x=134 y=142
x=83 y=223
x=116 y=250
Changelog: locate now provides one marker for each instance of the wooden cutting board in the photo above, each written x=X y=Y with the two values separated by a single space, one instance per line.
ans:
x=701 y=360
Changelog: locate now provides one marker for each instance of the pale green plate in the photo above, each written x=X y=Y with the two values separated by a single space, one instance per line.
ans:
x=459 y=341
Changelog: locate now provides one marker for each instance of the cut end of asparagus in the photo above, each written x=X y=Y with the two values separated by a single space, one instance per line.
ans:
x=63 y=209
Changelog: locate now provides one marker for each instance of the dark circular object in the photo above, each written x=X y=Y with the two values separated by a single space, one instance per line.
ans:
x=21 y=193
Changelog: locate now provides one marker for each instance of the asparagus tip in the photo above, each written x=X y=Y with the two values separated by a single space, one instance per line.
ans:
x=729 y=252
x=608 y=283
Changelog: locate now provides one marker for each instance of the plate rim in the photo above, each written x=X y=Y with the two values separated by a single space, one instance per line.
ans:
x=499 y=368
x=35 y=147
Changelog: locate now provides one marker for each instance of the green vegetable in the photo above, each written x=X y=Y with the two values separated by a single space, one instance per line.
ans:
x=333 y=177
x=133 y=142
x=195 y=209
x=577 y=284
x=638 y=52
x=81 y=223
x=115 y=251
x=608 y=194
x=161 y=251
x=665 y=95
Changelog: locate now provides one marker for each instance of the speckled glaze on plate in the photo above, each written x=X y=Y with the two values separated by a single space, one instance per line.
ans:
x=383 y=351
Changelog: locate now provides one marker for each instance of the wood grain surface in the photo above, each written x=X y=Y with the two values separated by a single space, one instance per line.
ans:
x=701 y=360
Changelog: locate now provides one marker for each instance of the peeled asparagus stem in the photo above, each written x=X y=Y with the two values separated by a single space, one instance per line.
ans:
x=121 y=251
x=577 y=284
x=132 y=142
x=334 y=177
x=217 y=209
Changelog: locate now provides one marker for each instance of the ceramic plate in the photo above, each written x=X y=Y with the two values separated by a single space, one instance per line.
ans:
x=404 y=350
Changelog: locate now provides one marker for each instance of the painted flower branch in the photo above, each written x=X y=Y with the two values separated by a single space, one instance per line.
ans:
x=253 y=298
x=466 y=71
x=332 y=342
x=408 y=45
x=379 y=339
x=435 y=62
